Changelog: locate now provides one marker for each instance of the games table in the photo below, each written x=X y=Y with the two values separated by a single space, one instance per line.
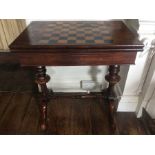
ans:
x=76 y=43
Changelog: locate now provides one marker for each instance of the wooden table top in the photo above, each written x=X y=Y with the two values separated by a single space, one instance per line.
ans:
x=78 y=35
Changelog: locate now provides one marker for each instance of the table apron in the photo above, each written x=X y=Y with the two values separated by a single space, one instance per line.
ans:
x=76 y=59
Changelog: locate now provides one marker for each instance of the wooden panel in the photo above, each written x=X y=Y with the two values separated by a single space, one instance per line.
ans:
x=9 y=30
x=8 y=57
x=3 y=41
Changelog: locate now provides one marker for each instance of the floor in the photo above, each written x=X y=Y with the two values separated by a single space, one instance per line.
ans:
x=67 y=113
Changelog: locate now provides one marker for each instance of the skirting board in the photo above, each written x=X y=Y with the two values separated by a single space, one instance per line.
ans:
x=127 y=103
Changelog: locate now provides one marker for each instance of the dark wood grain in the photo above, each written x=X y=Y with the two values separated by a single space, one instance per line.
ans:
x=16 y=79
x=41 y=79
x=30 y=120
x=84 y=59
x=6 y=57
x=15 y=112
x=29 y=50
x=125 y=125
x=148 y=123
x=40 y=34
x=113 y=78
x=67 y=114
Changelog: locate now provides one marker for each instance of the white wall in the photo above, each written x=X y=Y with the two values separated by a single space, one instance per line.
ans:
x=147 y=95
x=131 y=96
x=147 y=85
x=67 y=79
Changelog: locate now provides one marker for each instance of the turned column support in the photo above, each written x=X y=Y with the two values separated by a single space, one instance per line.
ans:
x=113 y=78
x=41 y=79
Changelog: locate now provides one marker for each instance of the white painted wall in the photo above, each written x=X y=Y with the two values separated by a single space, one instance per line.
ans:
x=147 y=85
x=131 y=96
x=134 y=93
x=147 y=95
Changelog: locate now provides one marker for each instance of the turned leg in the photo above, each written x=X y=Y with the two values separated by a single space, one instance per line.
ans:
x=41 y=80
x=112 y=99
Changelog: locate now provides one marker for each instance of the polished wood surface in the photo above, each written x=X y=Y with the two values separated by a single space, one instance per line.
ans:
x=77 y=34
x=113 y=78
x=67 y=115
x=70 y=113
x=32 y=51
x=41 y=79
x=77 y=59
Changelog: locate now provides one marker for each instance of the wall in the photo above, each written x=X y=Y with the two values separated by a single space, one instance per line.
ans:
x=147 y=95
x=131 y=99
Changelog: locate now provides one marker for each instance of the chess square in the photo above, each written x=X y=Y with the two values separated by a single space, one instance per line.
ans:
x=52 y=42
x=71 y=41
x=63 y=38
x=72 y=32
x=64 y=35
x=80 y=34
x=89 y=38
x=89 y=41
x=43 y=41
x=80 y=41
x=55 y=35
x=72 y=35
x=47 y=35
x=80 y=38
x=65 y=29
x=88 y=32
x=62 y=41
x=71 y=38
x=55 y=38
x=98 y=38
x=99 y=41
x=108 y=41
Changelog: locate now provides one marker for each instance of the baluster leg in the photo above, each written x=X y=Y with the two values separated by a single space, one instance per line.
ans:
x=112 y=99
x=41 y=79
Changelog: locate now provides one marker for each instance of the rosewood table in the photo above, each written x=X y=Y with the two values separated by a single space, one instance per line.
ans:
x=76 y=43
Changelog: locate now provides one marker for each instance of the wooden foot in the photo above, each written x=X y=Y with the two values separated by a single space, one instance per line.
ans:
x=41 y=80
x=112 y=99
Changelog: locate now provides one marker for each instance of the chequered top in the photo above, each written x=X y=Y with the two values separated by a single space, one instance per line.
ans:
x=73 y=33
x=79 y=34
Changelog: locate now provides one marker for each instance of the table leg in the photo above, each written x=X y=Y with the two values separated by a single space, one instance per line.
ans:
x=112 y=99
x=41 y=80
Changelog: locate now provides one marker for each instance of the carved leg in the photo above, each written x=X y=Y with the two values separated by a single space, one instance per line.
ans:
x=41 y=80
x=112 y=78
